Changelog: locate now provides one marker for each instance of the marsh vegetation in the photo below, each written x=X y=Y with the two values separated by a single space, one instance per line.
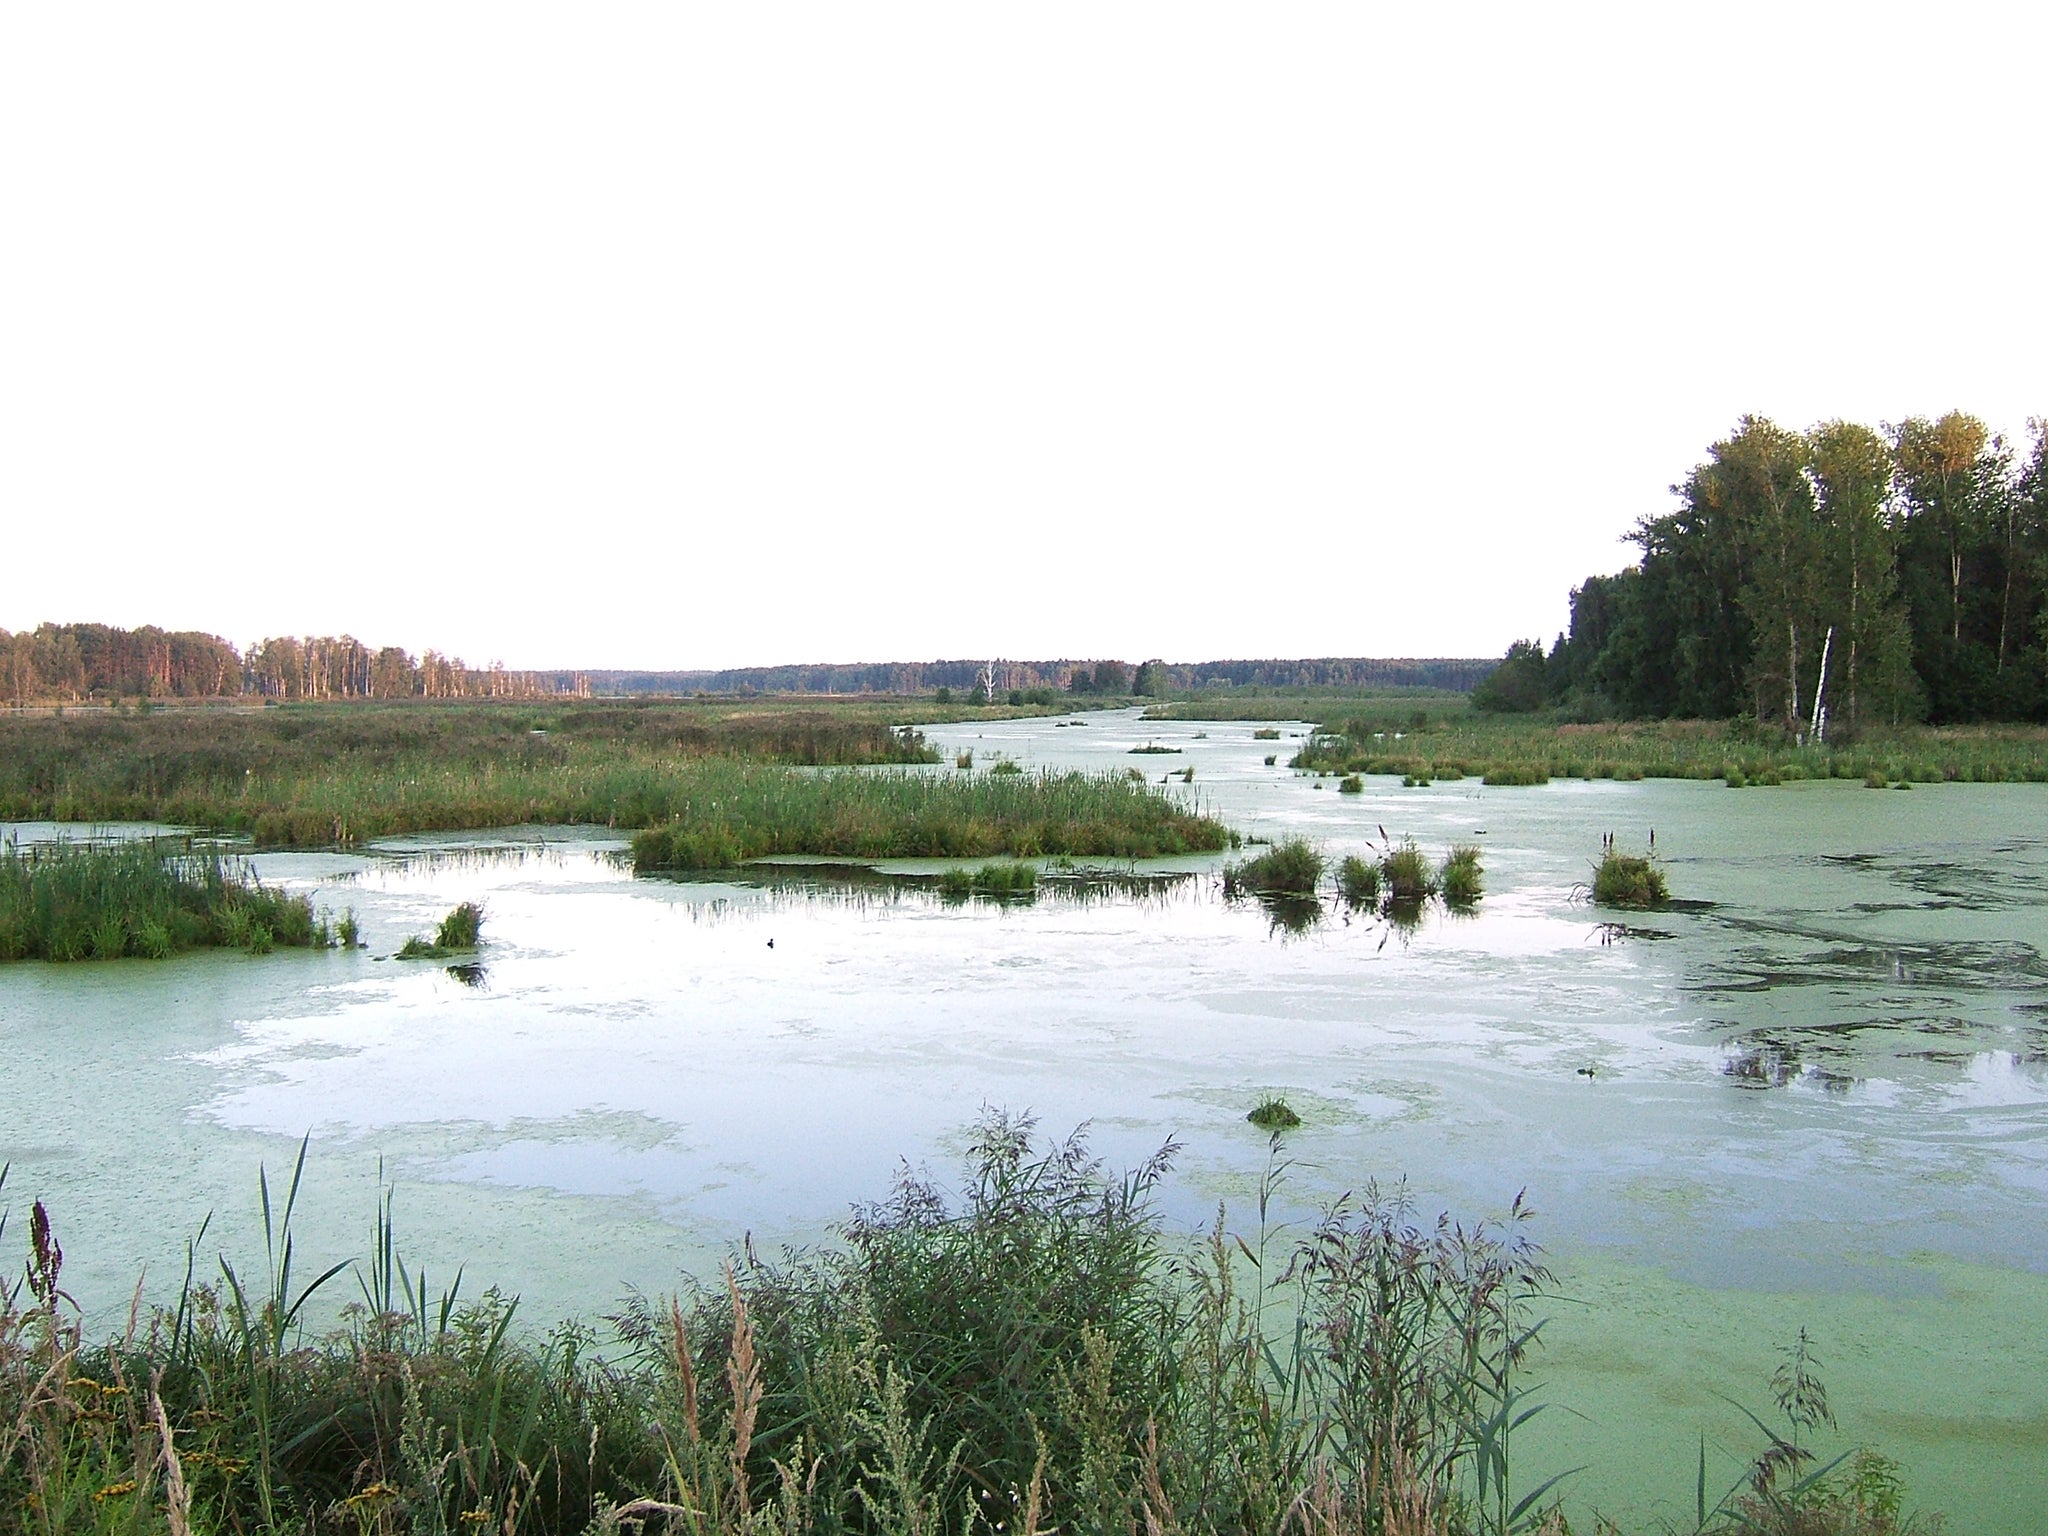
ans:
x=460 y=933
x=732 y=813
x=1036 y=1353
x=1629 y=881
x=148 y=898
x=1457 y=742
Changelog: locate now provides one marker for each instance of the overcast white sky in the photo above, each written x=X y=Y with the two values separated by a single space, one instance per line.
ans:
x=669 y=335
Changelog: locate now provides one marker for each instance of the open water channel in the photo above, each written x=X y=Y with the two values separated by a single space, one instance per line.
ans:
x=1819 y=1098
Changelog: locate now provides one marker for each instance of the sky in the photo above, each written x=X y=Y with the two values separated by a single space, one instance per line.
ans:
x=678 y=335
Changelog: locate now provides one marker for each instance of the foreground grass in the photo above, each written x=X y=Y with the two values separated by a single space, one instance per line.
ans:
x=1454 y=744
x=150 y=898
x=732 y=813
x=1033 y=1355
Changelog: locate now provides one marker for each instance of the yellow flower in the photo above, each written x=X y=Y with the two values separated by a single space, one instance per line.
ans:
x=370 y=1495
x=116 y=1490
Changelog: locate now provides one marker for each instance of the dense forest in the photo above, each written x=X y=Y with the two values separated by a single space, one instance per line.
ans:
x=1065 y=675
x=1843 y=573
x=74 y=662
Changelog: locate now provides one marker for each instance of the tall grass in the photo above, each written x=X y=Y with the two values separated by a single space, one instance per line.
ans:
x=334 y=775
x=728 y=813
x=1034 y=1354
x=1291 y=868
x=1513 y=751
x=147 y=898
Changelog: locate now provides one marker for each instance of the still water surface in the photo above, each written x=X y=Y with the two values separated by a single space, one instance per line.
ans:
x=1819 y=1098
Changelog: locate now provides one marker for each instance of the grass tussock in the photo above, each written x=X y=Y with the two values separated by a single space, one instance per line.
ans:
x=1358 y=881
x=1460 y=879
x=1033 y=1354
x=1406 y=876
x=1291 y=868
x=460 y=933
x=1274 y=1115
x=743 y=812
x=148 y=899
x=1629 y=881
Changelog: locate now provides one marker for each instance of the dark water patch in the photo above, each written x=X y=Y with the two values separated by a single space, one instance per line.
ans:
x=475 y=857
x=470 y=974
x=1615 y=933
x=1079 y=885
x=1960 y=965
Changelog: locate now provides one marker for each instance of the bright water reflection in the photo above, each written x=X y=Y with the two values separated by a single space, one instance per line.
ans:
x=1820 y=1098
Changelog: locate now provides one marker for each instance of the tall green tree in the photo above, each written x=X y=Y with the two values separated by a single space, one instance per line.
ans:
x=1952 y=476
x=1856 y=593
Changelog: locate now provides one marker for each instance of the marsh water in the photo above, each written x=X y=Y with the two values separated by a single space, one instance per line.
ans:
x=1815 y=1097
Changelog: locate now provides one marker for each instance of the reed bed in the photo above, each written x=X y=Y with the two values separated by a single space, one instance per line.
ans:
x=1522 y=752
x=150 y=898
x=729 y=813
x=333 y=775
x=1033 y=1355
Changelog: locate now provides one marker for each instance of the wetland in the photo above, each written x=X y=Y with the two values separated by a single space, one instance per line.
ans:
x=1811 y=1092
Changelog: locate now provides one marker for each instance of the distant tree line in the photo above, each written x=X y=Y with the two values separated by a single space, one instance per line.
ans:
x=62 y=663
x=1065 y=675
x=1879 y=576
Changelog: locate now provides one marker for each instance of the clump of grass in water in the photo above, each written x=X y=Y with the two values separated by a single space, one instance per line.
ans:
x=1292 y=868
x=964 y=760
x=1406 y=877
x=458 y=934
x=1630 y=882
x=150 y=898
x=1351 y=784
x=1274 y=1115
x=1006 y=765
x=1358 y=881
x=1515 y=775
x=1266 y=733
x=1460 y=877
